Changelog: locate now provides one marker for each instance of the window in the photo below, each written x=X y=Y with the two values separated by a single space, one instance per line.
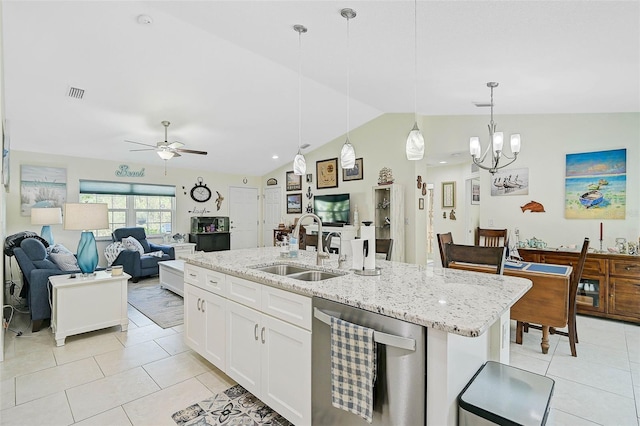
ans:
x=151 y=207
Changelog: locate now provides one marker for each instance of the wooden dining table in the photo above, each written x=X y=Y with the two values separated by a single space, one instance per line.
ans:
x=546 y=303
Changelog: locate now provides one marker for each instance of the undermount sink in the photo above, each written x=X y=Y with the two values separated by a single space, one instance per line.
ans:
x=298 y=272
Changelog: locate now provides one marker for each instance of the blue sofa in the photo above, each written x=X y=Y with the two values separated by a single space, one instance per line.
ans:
x=133 y=262
x=37 y=267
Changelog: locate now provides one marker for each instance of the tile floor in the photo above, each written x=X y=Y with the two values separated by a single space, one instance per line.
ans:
x=142 y=376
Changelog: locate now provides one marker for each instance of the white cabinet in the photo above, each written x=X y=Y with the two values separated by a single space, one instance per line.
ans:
x=183 y=249
x=388 y=202
x=258 y=335
x=205 y=330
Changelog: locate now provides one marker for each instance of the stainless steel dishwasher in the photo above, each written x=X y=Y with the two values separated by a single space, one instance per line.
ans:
x=400 y=388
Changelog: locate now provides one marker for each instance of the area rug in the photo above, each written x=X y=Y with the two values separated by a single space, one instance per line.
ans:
x=160 y=305
x=234 y=406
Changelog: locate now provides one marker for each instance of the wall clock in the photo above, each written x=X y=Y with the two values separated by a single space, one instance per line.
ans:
x=200 y=193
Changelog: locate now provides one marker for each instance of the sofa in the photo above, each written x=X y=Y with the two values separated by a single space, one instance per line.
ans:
x=143 y=261
x=37 y=265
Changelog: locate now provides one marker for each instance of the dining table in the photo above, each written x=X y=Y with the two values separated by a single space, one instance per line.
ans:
x=546 y=303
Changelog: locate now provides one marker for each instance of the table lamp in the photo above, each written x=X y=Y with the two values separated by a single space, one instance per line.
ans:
x=86 y=217
x=45 y=217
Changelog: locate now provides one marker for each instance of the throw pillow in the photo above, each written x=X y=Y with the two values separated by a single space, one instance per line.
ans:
x=58 y=248
x=65 y=261
x=158 y=253
x=130 y=243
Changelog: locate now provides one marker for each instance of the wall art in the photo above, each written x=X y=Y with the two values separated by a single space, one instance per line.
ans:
x=510 y=182
x=327 y=173
x=448 y=194
x=356 y=173
x=475 y=191
x=294 y=203
x=294 y=182
x=5 y=155
x=596 y=185
x=42 y=187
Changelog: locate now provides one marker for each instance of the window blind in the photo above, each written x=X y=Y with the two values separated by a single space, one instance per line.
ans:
x=124 y=188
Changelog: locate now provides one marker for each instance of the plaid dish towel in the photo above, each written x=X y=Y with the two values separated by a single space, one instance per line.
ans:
x=353 y=368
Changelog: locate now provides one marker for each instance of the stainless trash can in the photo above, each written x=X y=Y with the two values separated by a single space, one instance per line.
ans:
x=505 y=395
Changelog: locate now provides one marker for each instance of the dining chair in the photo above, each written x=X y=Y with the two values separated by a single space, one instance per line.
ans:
x=572 y=330
x=384 y=246
x=477 y=255
x=443 y=239
x=491 y=237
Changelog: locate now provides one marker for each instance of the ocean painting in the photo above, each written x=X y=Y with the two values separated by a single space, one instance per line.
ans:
x=42 y=187
x=596 y=185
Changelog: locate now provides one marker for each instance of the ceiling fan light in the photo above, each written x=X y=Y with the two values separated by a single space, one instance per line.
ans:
x=165 y=155
x=347 y=155
x=299 y=165
x=415 y=144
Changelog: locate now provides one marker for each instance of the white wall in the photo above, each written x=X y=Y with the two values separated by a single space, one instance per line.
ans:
x=546 y=139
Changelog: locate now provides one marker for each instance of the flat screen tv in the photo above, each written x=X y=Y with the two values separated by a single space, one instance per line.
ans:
x=333 y=210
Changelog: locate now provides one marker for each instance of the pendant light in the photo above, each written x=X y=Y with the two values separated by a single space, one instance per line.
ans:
x=299 y=162
x=348 y=153
x=415 y=140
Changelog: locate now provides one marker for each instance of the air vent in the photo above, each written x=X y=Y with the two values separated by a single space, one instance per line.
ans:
x=482 y=104
x=75 y=93
x=305 y=146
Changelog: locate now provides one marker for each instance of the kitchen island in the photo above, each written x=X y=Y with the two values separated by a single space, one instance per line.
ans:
x=465 y=314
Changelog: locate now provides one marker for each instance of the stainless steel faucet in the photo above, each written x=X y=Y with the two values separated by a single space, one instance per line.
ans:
x=321 y=255
x=341 y=256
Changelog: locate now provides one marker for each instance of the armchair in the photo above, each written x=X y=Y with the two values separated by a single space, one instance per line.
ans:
x=133 y=262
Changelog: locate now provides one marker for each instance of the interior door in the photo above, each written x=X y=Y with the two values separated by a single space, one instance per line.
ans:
x=272 y=211
x=243 y=217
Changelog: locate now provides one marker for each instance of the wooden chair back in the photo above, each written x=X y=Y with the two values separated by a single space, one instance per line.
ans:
x=442 y=240
x=384 y=246
x=477 y=255
x=491 y=237
x=310 y=240
x=573 y=294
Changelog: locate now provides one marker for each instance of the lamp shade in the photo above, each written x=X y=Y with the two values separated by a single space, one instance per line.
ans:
x=415 y=144
x=348 y=155
x=299 y=165
x=474 y=146
x=85 y=216
x=498 y=140
x=46 y=216
x=515 y=143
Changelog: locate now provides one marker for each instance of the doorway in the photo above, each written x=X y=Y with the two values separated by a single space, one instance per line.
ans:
x=272 y=211
x=243 y=217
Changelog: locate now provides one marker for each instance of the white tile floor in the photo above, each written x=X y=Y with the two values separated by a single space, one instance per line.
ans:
x=142 y=376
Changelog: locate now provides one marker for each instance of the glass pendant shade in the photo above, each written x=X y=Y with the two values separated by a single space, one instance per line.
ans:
x=498 y=141
x=474 y=146
x=347 y=155
x=165 y=155
x=415 y=144
x=87 y=253
x=515 y=143
x=299 y=164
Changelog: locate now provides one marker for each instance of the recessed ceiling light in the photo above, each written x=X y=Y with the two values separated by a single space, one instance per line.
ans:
x=144 y=20
x=275 y=157
x=443 y=162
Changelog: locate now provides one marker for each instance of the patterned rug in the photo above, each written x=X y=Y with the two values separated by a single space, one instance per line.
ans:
x=235 y=406
x=160 y=305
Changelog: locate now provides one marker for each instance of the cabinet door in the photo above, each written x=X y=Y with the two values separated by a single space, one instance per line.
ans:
x=624 y=297
x=194 y=318
x=592 y=292
x=286 y=369
x=243 y=346
x=214 y=311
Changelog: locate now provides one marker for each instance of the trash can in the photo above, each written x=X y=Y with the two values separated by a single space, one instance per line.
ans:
x=505 y=395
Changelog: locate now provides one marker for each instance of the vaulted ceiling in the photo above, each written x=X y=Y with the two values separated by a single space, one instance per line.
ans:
x=225 y=73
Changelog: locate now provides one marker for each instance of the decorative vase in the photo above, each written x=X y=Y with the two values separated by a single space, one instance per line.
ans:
x=87 y=253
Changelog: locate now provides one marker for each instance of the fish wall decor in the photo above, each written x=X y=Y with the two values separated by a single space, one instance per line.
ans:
x=533 y=207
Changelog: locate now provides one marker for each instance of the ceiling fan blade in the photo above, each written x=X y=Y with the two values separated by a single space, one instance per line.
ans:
x=140 y=143
x=191 y=151
x=175 y=154
x=143 y=149
x=175 y=145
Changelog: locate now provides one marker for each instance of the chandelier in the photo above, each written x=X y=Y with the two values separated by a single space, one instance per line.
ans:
x=495 y=145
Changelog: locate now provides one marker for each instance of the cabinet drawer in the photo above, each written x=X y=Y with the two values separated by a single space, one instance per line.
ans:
x=593 y=266
x=194 y=275
x=625 y=268
x=215 y=282
x=244 y=292
x=289 y=307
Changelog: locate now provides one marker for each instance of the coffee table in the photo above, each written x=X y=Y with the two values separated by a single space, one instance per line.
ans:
x=84 y=304
x=172 y=276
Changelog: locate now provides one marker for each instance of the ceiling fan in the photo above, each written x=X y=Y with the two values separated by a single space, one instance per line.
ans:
x=166 y=150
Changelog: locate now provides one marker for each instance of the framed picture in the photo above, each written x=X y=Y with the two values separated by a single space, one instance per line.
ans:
x=327 y=173
x=510 y=182
x=421 y=203
x=355 y=173
x=448 y=195
x=475 y=191
x=294 y=203
x=294 y=182
x=272 y=181
x=309 y=178
x=42 y=187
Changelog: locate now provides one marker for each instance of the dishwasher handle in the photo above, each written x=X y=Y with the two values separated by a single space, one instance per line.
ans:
x=378 y=336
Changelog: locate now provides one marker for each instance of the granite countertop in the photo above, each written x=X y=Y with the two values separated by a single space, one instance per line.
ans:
x=459 y=302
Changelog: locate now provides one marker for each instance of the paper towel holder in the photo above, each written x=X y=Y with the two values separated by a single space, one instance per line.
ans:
x=367 y=222
x=367 y=272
